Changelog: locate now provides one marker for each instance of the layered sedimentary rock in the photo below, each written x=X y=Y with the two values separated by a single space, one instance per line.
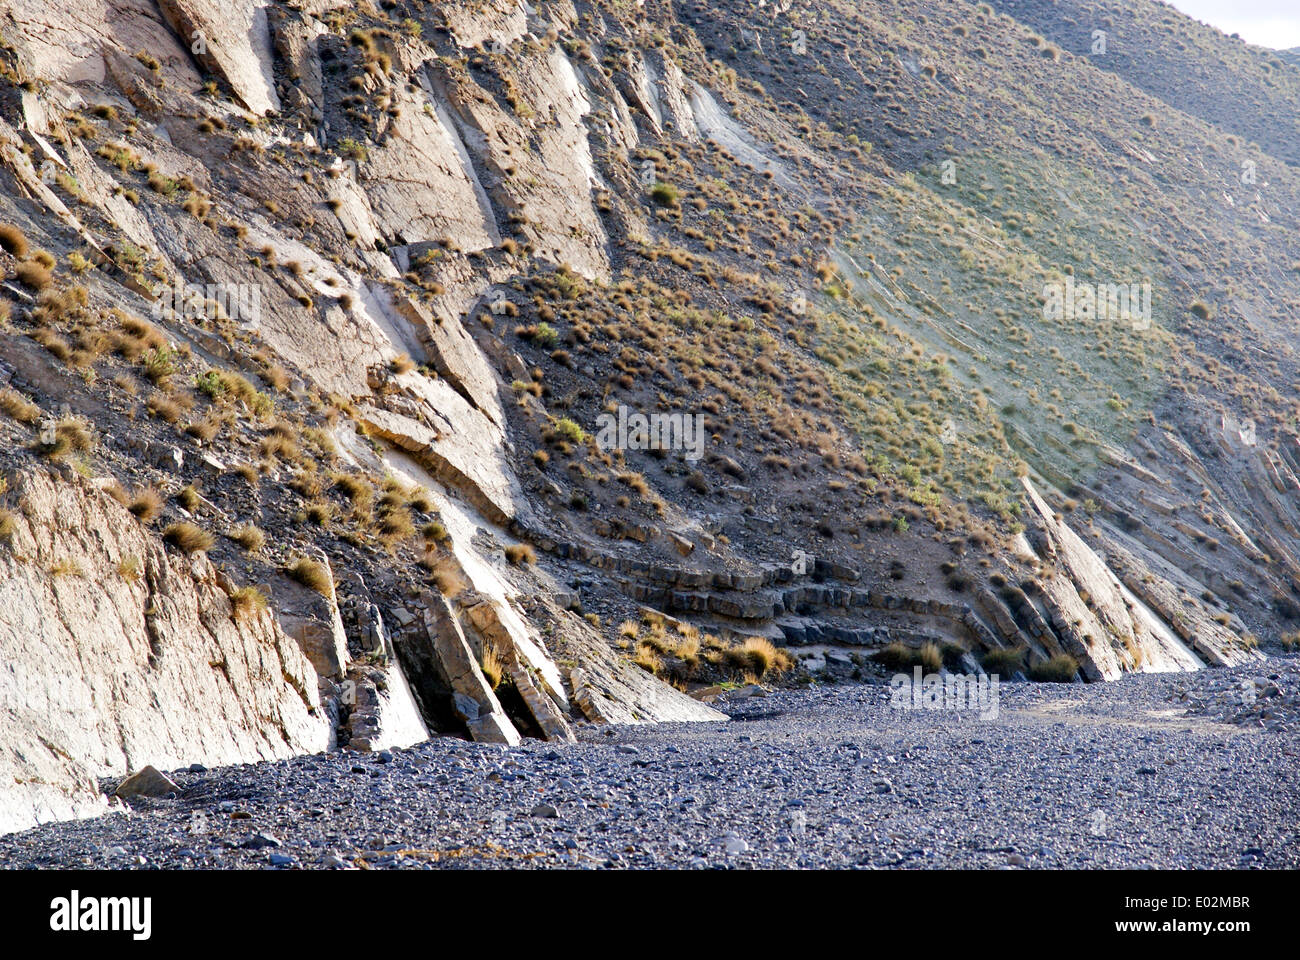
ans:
x=467 y=226
x=117 y=652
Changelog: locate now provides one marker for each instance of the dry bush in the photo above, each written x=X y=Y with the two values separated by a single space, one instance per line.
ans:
x=247 y=602
x=395 y=524
x=448 y=580
x=72 y=435
x=521 y=554
x=313 y=575
x=490 y=664
x=188 y=497
x=134 y=336
x=418 y=499
x=249 y=537
x=188 y=537
x=33 y=275
x=1004 y=662
x=758 y=656
x=205 y=430
x=13 y=240
x=899 y=656
x=278 y=446
x=54 y=343
x=19 y=407
x=357 y=490
x=1059 y=669
x=164 y=407
x=146 y=504
x=128 y=568
x=276 y=377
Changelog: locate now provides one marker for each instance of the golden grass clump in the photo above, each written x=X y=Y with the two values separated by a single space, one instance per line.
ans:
x=33 y=274
x=1004 y=662
x=395 y=524
x=313 y=575
x=163 y=407
x=247 y=602
x=1059 y=669
x=188 y=537
x=145 y=504
x=128 y=568
x=188 y=497
x=448 y=580
x=521 y=554
x=357 y=490
x=249 y=537
x=758 y=656
x=19 y=407
x=899 y=656
x=647 y=658
x=490 y=664
x=13 y=240
x=71 y=435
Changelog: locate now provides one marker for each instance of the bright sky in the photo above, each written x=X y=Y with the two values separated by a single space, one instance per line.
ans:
x=1265 y=23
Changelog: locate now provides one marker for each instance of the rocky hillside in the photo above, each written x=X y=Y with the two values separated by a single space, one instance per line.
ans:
x=339 y=340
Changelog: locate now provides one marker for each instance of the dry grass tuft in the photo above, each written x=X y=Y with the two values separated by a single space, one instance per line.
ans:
x=1003 y=662
x=188 y=537
x=249 y=537
x=313 y=575
x=490 y=664
x=71 y=435
x=188 y=497
x=33 y=275
x=13 y=240
x=19 y=407
x=247 y=602
x=448 y=581
x=521 y=554
x=146 y=504
x=758 y=656
x=128 y=568
x=1059 y=669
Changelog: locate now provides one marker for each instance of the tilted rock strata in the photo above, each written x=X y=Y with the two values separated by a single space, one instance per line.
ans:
x=117 y=652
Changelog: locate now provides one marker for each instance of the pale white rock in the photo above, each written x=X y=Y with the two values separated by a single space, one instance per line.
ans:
x=231 y=39
x=102 y=673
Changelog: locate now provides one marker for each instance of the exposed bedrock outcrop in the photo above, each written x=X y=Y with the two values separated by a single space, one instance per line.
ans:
x=1097 y=623
x=417 y=193
x=117 y=652
x=229 y=38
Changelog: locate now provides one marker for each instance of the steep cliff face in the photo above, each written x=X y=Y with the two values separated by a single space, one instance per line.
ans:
x=116 y=653
x=364 y=290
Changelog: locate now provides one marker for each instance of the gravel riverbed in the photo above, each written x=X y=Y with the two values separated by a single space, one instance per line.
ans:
x=1149 y=771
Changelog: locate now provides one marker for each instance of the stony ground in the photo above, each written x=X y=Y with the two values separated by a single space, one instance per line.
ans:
x=1144 y=772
